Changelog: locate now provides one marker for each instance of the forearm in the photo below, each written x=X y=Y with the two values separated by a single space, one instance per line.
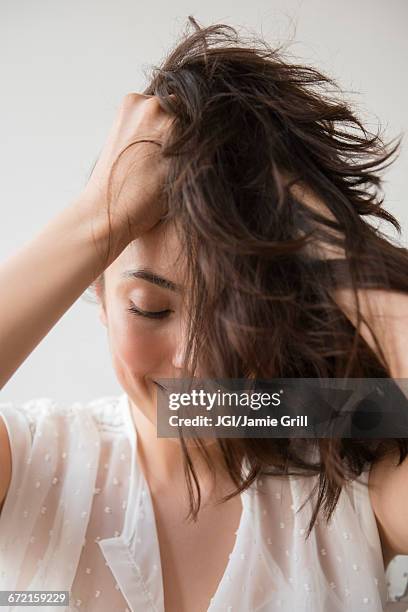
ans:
x=46 y=276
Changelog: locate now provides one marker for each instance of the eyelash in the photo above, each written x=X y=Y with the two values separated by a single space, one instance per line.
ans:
x=160 y=314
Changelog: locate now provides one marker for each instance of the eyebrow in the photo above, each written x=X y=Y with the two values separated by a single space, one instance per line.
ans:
x=151 y=277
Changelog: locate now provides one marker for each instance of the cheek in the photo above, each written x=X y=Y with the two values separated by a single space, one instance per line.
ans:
x=138 y=345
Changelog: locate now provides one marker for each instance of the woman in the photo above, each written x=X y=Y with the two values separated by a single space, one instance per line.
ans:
x=234 y=249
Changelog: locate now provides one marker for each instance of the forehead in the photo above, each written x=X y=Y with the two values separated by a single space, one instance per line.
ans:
x=158 y=249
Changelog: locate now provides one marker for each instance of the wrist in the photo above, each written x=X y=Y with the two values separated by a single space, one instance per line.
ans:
x=108 y=238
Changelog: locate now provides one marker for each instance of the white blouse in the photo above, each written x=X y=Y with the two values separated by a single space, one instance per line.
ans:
x=79 y=517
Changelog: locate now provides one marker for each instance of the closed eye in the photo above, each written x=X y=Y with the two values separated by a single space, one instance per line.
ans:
x=151 y=314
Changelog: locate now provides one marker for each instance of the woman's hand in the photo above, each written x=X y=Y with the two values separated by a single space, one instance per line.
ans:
x=128 y=177
x=64 y=258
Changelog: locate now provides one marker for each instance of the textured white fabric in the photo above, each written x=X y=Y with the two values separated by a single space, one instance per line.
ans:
x=79 y=517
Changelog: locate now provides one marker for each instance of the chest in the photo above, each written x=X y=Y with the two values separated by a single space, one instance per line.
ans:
x=194 y=555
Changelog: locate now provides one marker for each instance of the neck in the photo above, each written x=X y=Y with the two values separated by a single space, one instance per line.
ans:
x=161 y=459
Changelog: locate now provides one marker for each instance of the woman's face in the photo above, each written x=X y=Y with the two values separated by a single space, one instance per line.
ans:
x=145 y=347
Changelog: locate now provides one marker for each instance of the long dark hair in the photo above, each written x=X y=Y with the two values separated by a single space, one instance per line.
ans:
x=272 y=177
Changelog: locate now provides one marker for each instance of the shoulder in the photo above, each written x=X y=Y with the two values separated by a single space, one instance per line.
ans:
x=43 y=427
x=18 y=431
x=388 y=487
x=107 y=412
x=386 y=312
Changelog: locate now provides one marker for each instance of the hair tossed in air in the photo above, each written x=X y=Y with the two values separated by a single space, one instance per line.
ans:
x=272 y=179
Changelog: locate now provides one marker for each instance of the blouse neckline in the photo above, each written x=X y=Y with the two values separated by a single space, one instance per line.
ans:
x=134 y=555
